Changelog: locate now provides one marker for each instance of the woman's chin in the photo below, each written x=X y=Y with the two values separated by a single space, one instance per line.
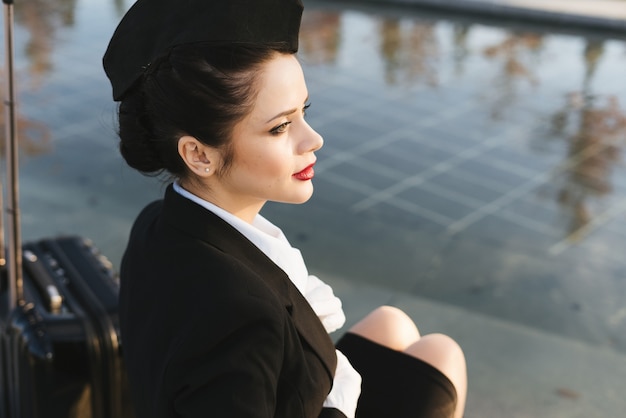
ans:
x=299 y=198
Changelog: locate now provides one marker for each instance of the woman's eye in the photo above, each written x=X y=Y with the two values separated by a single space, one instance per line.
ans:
x=304 y=109
x=282 y=128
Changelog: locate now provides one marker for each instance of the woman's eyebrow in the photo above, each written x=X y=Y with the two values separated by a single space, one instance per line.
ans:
x=281 y=114
x=287 y=112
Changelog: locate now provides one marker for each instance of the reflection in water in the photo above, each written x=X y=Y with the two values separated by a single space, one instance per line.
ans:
x=515 y=51
x=41 y=18
x=33 y=136
x=320 y=36
x=595 y=129
x=460 y=34
x=510 y=51
x=594 y=49
x=121 y=6
x=410 y=51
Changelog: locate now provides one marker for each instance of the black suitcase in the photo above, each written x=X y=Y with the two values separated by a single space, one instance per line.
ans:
x=60 y=349
x=61 y=346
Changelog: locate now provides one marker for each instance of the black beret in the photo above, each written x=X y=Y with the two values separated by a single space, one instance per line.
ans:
x=152 y=27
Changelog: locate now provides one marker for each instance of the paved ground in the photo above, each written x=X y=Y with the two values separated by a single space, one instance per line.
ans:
x=514 y=371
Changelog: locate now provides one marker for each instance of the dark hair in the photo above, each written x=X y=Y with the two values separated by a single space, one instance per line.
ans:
x=201 y=90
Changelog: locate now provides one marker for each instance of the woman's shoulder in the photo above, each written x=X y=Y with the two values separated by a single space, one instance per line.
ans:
x=196 y=256
x=184 y=265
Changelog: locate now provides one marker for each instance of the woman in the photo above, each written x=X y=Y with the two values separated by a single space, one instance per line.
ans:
x=219 y=315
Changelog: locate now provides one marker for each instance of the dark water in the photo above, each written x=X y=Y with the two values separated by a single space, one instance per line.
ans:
x=468 y=163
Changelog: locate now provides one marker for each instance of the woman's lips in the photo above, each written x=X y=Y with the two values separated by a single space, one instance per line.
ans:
x=306 y=174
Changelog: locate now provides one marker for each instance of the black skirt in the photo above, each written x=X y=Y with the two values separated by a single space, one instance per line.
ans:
x=395 y=384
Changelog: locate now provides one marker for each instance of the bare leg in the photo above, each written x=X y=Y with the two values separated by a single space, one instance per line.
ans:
x=392 y=328
x=446 y=355
x=388 y=326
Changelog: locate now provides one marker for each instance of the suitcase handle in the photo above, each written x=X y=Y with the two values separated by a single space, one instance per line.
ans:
x=51 y=295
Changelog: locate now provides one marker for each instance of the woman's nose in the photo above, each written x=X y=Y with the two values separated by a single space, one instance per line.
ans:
x=311 y=140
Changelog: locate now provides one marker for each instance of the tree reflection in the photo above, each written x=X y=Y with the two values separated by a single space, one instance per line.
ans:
x=41 y=18
x=320 y=36
x=410 y=51
x=33 y=136
x=516 y=53
x=595 y=129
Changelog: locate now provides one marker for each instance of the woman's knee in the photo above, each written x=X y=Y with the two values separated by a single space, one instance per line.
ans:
x=437 y=346
x=444 y=353
x=388 y=326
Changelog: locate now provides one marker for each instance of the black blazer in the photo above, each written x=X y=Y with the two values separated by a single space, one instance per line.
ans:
x=211 y=327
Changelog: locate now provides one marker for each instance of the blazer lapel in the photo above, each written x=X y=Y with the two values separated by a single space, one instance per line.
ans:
x=205 y=225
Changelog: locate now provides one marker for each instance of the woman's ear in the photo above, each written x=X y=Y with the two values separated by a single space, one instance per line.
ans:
x=200 y=158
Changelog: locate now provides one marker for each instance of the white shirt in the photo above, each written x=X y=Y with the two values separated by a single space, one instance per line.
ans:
x=273 y=243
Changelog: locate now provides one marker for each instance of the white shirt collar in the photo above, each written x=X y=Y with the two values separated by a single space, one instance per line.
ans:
x=265 y=235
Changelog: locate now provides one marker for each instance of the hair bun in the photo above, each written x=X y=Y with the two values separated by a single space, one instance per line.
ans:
x=137 y=141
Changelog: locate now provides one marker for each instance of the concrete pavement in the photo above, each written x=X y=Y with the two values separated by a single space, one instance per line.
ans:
x=514 y=371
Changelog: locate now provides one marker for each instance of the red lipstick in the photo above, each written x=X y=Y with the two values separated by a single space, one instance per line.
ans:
x=306 y=174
